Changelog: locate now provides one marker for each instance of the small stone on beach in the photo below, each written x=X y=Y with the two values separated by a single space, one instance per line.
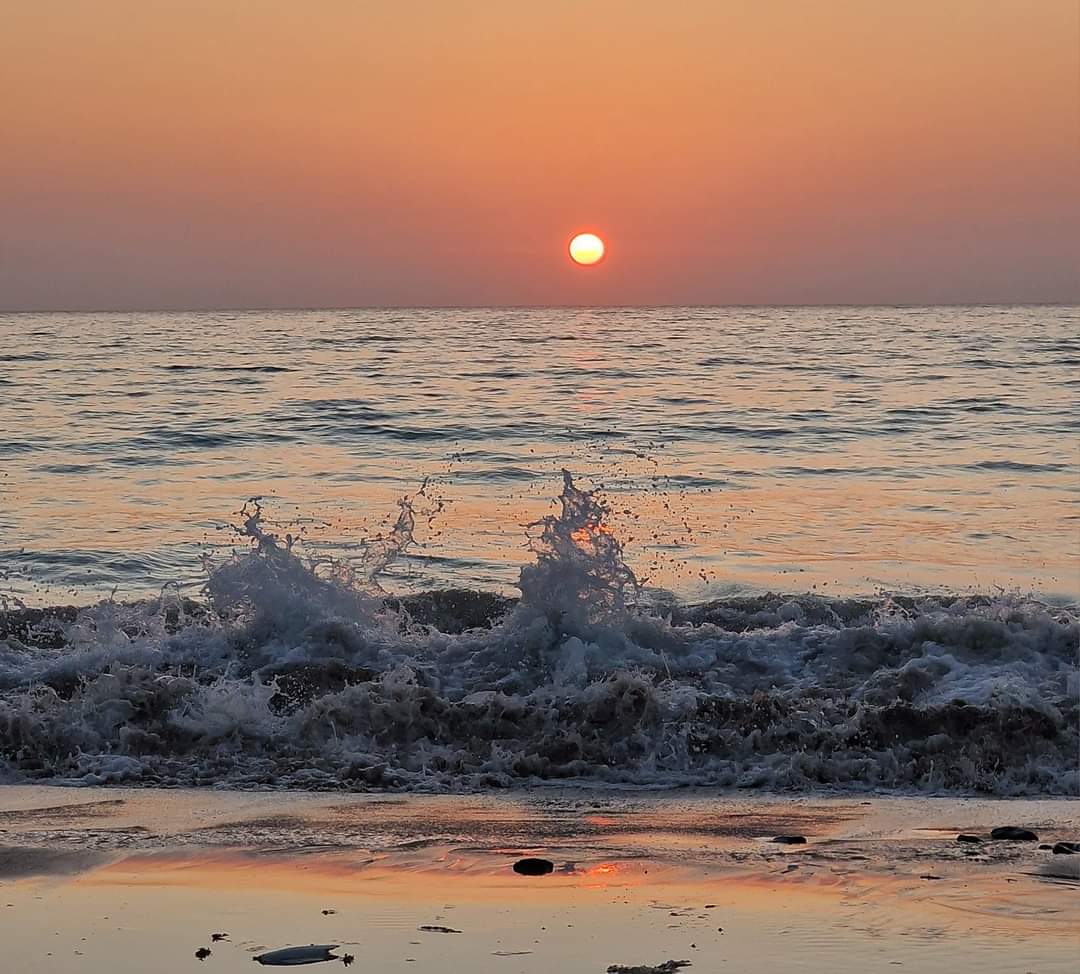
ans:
x=1066 y=848
x=790 y=839
x=1012 y=833
x=964 y=837
x=668 y=967
x=533 y=867
x=294 y=956
x=431 y=928
x=203 y=952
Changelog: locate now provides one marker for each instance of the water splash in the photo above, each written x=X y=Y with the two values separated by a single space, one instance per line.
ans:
x=270 y=586
x=580 y=577
x=296 y=672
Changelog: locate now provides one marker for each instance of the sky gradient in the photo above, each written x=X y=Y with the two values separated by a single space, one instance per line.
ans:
x=268 y=153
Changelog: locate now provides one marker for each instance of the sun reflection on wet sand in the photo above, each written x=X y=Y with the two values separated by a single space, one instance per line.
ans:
x=636 y=880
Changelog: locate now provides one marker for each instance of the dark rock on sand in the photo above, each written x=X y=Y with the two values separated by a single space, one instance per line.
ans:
x=1012 y=833
x=1046 y=847
x=964 y=837
x=203 y=952
x=533 y=867
x=668 y=967
x=1066 y=848
x=295 y=956
x=790 y=839
x=433 y=928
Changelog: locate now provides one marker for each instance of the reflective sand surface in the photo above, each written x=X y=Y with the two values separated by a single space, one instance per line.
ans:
x=139 y=880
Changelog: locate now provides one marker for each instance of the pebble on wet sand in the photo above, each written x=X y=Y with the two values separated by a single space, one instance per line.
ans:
x=964 y=837
x=1066 y=848
x=1013 y=834
x=533 y=867
x=790 y=839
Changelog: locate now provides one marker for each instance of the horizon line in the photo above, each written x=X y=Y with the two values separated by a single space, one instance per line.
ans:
x=538 y=307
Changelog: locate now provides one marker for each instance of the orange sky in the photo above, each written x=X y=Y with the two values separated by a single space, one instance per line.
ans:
x=200 y=153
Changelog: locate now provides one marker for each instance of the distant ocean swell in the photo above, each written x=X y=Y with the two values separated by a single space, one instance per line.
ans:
x=294 y=674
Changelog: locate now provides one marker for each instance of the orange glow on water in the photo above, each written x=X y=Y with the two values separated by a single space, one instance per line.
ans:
x=603 y=869
x=584 y=537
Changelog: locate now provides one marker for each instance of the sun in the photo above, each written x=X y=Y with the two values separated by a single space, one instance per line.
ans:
x=586 y=248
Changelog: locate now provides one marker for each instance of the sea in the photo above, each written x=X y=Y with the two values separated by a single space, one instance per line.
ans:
x=828 y=548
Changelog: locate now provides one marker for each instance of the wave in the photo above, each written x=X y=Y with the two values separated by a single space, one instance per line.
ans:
x=294 y=672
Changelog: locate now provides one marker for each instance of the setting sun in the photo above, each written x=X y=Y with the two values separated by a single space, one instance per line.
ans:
x=586 y=248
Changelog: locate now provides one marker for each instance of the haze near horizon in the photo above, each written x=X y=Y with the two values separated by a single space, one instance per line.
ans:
x=200 y=155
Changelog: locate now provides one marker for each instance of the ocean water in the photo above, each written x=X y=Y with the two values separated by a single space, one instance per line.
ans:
x=786 y=548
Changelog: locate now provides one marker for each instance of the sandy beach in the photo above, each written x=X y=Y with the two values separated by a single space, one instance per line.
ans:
x=118 y=880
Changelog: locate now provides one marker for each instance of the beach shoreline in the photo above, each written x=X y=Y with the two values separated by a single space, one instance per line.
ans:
x=121 y=879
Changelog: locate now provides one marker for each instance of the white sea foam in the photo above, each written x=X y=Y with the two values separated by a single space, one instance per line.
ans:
x=300 y=674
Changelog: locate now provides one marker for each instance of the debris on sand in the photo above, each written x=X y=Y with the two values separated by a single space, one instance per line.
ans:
x=1013 y=834
x=668 y=967
x=347 y=959
x=790 y=839
x=1066 y=848
x=532 y=866
x=203 y=952
x=328 y=913
x=215 y=937
x=964 y=837
x=293 y=956
x=431 y=928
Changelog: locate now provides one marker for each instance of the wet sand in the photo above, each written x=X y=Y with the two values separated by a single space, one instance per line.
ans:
x=104 y=880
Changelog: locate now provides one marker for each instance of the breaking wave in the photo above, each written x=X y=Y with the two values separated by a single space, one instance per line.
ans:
x=293 y=672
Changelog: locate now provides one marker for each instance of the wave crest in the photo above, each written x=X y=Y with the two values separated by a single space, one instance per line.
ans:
x=305 y=673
